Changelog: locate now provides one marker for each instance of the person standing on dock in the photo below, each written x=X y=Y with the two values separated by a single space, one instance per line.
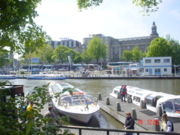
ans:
x=166 y=125
x=123 y=93
x=129 y=123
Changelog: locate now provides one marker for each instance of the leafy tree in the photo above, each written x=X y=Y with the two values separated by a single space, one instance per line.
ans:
x=15 y=15
x=33 y=39
x=175 y=48
x=86 y=57
x=158 y=47
x=77 y=58
x=137 y=54
x=127 y=55
x=96 y=48
x=147 y=5
x=45 y=54
x=4 y=58
x=17 y=121
x=60 y=54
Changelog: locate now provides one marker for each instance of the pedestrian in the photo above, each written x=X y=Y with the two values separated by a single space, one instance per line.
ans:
x=129 y=123
x=123 y=93
x=52 y=119
x=166 y=125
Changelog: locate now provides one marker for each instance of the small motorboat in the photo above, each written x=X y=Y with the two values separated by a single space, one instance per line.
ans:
x=154 y=101
x=73 y=102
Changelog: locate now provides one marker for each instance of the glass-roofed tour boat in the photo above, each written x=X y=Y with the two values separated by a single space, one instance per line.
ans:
x=72 y=102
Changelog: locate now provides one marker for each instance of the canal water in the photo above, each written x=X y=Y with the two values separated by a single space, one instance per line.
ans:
x=104 y=87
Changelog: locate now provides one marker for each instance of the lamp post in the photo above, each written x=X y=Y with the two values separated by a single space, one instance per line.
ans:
x=174 y=70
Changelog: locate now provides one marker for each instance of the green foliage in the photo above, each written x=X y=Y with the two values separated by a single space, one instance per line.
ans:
x=17 y=121
x=147 y=5
x=175 y=48
x=60 y=53
x=127 y=55
x=15 y=15
x=132 y=55
x=4 y=60
x=45 y=54
x=86 y=57
x=158 y=47
x=137 y=54
x=33 y=39
x=96 y=48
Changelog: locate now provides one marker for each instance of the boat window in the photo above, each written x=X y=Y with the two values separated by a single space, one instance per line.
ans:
x=67 y=100
x=177 y=105
x=168 y=106
x=116 y=92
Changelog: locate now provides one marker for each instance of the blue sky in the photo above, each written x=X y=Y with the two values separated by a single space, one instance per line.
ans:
x=116 y=18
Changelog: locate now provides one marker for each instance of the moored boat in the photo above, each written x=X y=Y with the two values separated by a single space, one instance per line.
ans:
x=8 y=77
x=46 y=77
x=73 y=102
x=154 y=101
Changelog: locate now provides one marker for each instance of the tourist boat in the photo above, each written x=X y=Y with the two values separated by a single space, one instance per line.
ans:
x=72 y=102
x=154 y=101
x=46 y=77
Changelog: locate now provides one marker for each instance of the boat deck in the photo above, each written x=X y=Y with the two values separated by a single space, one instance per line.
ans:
x=146 y=120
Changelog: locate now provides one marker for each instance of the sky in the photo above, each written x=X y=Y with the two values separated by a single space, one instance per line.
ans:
x=115 y=18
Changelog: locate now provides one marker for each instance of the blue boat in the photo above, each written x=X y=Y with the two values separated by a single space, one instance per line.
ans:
x=46 y=77
x=4 y=77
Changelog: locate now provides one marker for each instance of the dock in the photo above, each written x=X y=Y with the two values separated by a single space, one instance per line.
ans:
x=145 y=120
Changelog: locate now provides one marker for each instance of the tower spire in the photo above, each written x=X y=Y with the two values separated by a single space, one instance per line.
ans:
x=154 y=30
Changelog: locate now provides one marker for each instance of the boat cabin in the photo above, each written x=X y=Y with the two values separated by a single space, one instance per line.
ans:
x=137 y=95
x=171 y=105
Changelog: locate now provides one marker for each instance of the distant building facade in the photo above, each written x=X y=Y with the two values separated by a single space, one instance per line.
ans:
x=115 y=47
x=73 y=44
x=157 y=66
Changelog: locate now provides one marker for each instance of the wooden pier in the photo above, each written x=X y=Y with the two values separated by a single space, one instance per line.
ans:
x=144 y=119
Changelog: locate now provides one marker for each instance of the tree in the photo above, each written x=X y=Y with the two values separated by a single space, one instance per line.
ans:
x=60 y=54
x=86 y=57
x=33 y=39
x=137 y=54
x=175 y=48
x=96 y=48
x=17 y=121
x=4 y=60
x=158 y=47
x=127 y=55
x=147 y=5
x=45 y=54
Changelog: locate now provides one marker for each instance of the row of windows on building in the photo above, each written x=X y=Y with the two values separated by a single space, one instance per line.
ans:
x=157 y=70
x=157 y=61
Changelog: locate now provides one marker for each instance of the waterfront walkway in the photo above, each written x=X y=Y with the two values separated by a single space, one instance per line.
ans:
x=146 y=120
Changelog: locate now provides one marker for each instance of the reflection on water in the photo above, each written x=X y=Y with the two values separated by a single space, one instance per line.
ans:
x=105 y=86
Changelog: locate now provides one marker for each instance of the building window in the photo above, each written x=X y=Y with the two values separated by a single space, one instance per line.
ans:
x=157 y=70
x=157 y=61
x=146 y=70
x=166 y=60
x=147 y=61
x=165 y=69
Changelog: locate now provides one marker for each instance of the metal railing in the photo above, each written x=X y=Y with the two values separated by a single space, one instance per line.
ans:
x=79 y=130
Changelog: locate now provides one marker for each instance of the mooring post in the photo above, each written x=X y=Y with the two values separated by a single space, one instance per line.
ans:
x=118 y=107
x=156 y=124
x=107 y=101
x=134 y=115
x=100 y=97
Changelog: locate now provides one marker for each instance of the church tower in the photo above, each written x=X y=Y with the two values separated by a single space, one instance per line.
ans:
x=154 y=30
